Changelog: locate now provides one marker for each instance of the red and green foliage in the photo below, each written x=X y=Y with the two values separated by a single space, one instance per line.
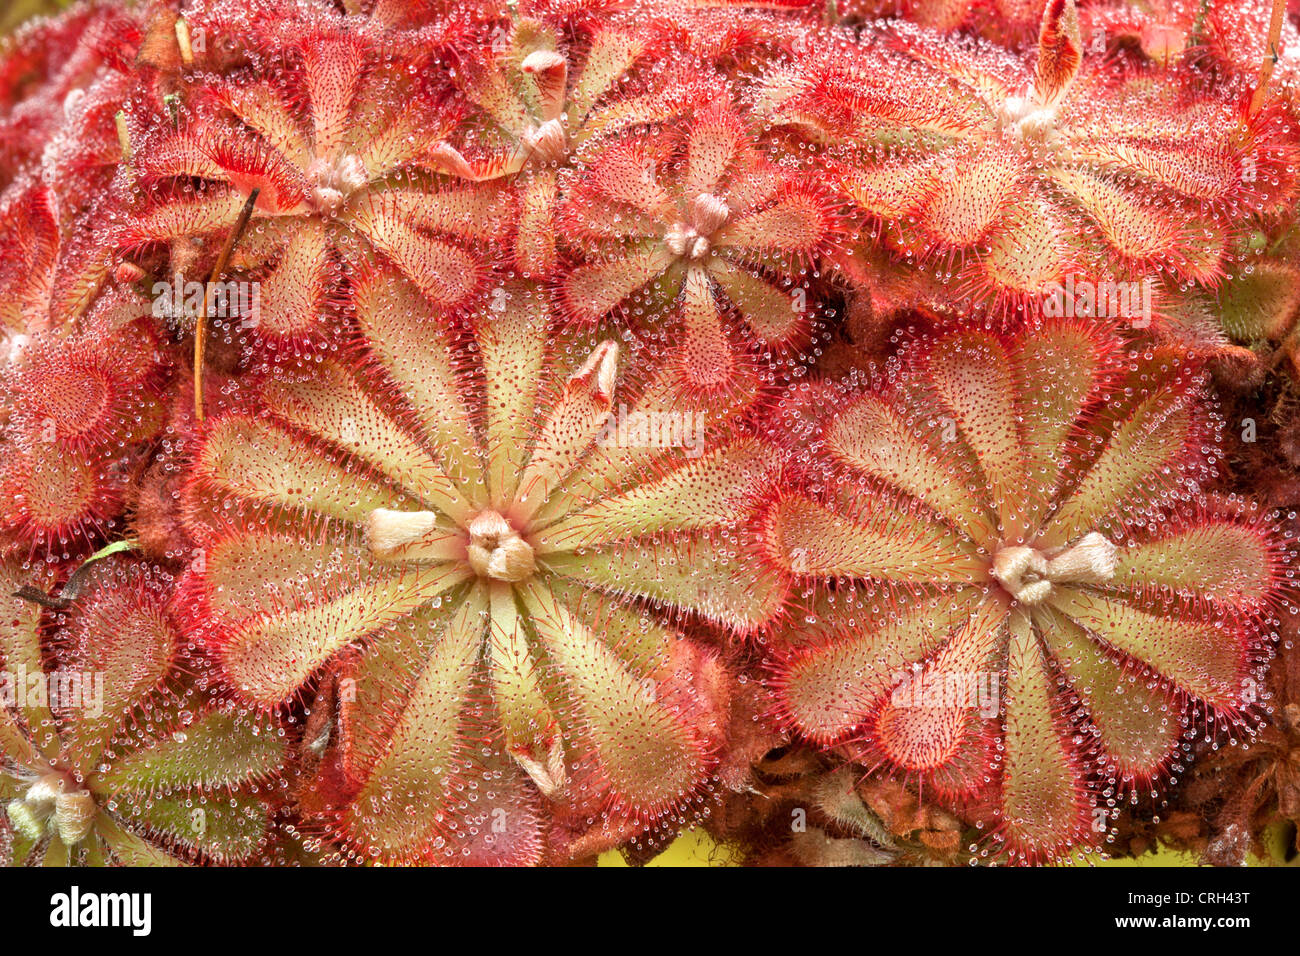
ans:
x=486 y=538
x=504 y=409
x=1023 y=598
x=112 y=754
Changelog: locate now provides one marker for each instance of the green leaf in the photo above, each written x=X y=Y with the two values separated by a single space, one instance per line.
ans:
x=1203 y=657
x=868 y=648
x=397 y=810
x=645 y=750
x=271 y=658
x=125 y=643
x=221 y=750
x=881 y=540
x=1044 y=797
x=20 y=658
x=1138 y=728
x=131 y=849
x=220 y=828
x=712 y=575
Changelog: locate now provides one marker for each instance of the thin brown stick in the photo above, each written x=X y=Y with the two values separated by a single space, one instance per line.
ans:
x=201 y=327
x=1271 y=55
x=1197 y=36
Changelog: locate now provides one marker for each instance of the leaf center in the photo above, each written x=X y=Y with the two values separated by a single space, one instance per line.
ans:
x=497 y=551
x=1028 y=574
